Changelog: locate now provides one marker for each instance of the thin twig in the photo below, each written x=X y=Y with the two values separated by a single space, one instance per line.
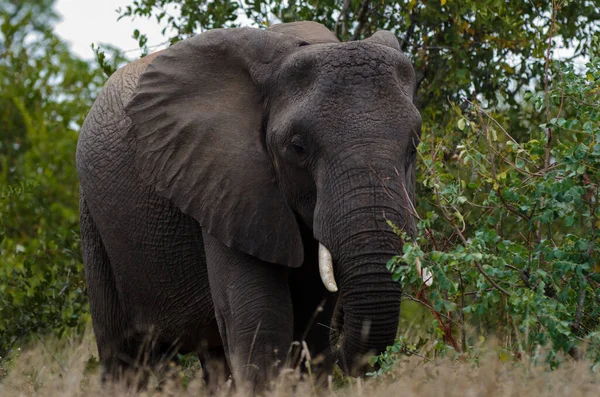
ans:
x=546 y=89
x=562 y=95
x=479 y=109
x=522 y=274
x=151 y=47
x=579 y=311
x=426 y=304
x=511 y=208
x=438 y=316
x=414 y=353
x=463 y=332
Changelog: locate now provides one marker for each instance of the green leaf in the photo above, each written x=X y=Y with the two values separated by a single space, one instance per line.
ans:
x=519 y=163
x=582 y=245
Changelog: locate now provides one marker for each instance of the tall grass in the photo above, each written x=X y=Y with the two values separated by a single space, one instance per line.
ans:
x=68 y=368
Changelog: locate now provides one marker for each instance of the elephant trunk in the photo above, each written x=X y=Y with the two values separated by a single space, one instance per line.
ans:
x=351 y=223
x=370 y=302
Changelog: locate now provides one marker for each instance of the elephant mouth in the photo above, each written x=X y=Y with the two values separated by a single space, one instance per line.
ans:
x=328 y=277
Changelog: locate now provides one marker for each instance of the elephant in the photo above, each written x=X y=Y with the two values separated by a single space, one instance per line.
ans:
x=236 y=191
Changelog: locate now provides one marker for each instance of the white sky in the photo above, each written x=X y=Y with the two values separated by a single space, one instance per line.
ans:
x=95 y=21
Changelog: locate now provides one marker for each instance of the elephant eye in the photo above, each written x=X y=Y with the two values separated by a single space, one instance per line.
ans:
x=297 y=145
x=412 y=147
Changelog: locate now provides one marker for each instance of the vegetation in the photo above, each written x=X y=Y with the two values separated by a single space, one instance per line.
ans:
x=508 y=175
x=512 y=232
x=44 y=96
x=62 y=369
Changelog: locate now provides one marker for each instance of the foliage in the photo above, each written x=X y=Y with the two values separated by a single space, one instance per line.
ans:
x=512 y=230
x=45 y=94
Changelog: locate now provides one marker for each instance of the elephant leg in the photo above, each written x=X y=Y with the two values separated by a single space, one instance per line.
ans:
x=108 y=319
x=124 y=354
x=215 y=369
x=254 y=312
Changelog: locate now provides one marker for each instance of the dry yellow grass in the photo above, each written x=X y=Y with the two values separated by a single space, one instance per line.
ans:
x=61 y=371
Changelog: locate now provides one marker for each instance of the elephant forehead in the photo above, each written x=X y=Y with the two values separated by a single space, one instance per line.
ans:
x=361 y=69
x=363 y=58
x=346 y=60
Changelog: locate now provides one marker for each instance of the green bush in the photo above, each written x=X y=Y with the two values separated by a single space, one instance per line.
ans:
x=511 y=228
x=45 y=95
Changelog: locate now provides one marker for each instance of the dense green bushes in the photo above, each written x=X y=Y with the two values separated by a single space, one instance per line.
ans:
x=44 y=97
x=512 y=230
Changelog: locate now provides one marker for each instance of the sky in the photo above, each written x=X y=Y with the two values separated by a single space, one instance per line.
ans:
x=95 y=21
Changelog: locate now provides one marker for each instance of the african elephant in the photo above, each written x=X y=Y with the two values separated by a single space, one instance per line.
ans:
x=231 y=183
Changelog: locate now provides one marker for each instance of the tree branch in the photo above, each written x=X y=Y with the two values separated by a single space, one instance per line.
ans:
x=410 y=30
x=579 y=311
x=362 y=18
x=343 y=17
x=548 y=129
x=522 y=274
x=447 y=329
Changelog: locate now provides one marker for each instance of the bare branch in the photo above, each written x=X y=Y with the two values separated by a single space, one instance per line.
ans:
x=343 y=19
x=410 y=30
x=493 y=119
x=522 y=274
x=511 y=208
x=362 y=19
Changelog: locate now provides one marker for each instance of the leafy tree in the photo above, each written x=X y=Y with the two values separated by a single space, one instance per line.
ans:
x=514 y=238
x=44 y=96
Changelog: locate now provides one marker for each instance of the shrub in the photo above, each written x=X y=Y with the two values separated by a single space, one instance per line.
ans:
x=510 y=227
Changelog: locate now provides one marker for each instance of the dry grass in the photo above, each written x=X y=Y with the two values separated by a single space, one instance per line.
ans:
x=63 y=370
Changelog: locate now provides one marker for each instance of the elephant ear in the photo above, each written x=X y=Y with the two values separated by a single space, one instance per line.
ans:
x=384 y=37
x=197 y=124
x=311 y=32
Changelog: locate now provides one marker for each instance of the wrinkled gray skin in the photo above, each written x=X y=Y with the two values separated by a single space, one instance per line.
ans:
x=209 y=174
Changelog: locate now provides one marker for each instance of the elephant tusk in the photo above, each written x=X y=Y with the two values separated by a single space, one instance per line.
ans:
x=326 y=269
x=425 y=273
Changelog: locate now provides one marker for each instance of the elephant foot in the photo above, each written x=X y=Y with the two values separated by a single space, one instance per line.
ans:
x=136 y=360
x=215 y=370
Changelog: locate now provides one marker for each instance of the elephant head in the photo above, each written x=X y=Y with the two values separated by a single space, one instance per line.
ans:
x=254 y=132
